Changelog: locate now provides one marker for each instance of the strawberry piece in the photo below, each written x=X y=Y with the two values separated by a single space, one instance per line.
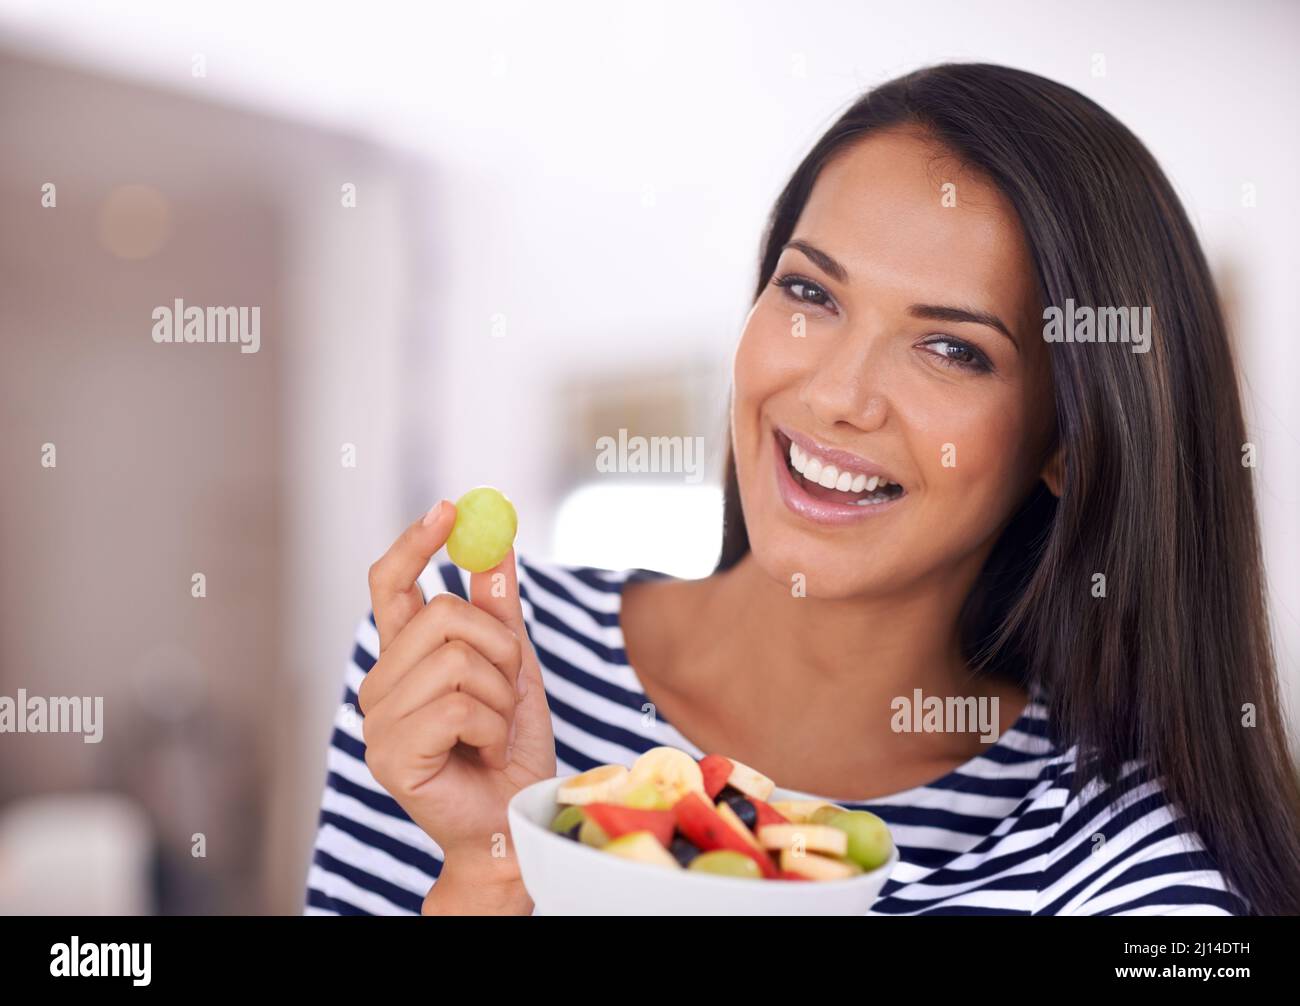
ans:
x=704 y=826
x=716 y=770
x=615 y=820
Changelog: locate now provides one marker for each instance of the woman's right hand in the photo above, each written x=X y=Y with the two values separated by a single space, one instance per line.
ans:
x=456 y=719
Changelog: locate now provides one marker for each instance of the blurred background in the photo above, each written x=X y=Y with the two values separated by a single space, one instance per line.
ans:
x=480 y=237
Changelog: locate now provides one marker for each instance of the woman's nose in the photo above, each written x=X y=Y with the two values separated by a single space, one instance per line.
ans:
x=848 y=385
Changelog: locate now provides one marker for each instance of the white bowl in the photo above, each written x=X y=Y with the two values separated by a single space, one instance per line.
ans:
x=564 y=877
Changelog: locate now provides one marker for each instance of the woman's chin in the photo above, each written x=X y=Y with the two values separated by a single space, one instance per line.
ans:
x=812 y=569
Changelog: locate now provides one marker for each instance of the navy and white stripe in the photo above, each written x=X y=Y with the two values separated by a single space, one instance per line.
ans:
x=999 y=835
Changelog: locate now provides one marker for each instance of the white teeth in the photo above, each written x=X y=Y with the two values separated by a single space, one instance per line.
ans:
x=830 y=476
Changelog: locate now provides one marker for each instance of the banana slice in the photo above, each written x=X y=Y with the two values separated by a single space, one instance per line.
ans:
x=750 y=781
x=593 y=786
x=816 y=867
x=642 y=847
x=804 y=838
x=671 y=771
x=799 y=811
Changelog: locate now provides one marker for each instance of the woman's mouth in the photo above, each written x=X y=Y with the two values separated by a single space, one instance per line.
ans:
x=818 y=488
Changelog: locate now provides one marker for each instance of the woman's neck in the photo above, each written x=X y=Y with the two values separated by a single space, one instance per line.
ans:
x=809 y=685
x=873 y=648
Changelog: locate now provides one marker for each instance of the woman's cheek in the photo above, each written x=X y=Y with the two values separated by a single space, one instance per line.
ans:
x=988 y=490
x=767 y=356
x=973 y=450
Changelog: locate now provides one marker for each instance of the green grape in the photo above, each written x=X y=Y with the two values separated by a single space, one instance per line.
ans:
x=566 y=819
x=590 y=833
x=484 y=530
x=869 y=840
x=646 y=797
x=726 y=863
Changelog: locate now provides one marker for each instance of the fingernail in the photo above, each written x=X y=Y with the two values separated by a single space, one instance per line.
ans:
x=509 y=751
x=510 y=738
x=432 y=515
x=521 y=685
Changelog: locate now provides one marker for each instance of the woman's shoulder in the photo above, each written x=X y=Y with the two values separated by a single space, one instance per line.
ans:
x=565 y=605
x=571 y=612
x=572 y=592
x=579 y=600
x=1124 y=848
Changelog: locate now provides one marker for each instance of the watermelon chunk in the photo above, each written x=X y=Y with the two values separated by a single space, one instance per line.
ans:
x=716 y=770
x=615 y=820
x=765 y=813
x=704 y=826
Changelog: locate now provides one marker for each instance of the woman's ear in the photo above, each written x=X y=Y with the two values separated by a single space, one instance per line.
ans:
x=1053 y=473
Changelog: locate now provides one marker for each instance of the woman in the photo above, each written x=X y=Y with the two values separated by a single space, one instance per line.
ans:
x=933 y=491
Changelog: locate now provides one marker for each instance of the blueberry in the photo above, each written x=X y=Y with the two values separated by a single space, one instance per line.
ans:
x=744 y=809
x=683 y=849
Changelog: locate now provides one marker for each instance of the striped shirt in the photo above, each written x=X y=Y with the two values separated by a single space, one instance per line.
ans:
x=999 y=835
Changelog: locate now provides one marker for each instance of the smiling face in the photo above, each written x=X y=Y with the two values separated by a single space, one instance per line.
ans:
x=898 y=340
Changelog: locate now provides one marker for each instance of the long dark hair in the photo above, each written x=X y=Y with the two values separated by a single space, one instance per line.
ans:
x=1154 y=495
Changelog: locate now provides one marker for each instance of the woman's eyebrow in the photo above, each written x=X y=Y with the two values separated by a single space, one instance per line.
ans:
x=935 y=312
x=823 y=261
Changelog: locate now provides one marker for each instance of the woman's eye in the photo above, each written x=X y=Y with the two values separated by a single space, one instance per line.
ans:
x=956 y=353
x=805 y=291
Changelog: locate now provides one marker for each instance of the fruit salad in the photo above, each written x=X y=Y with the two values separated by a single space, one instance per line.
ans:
x=713 y=816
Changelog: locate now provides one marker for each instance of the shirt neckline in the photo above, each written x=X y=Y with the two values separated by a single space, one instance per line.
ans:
x=1020 y=726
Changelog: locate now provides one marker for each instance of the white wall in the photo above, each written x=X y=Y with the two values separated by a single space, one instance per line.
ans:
x=177 y=459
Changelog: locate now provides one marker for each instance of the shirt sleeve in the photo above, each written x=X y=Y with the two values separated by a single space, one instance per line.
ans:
x=1124 y=850
x=369 y=857
x=1162 y=877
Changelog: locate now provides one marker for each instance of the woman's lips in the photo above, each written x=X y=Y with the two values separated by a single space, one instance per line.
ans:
x=817 y=510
